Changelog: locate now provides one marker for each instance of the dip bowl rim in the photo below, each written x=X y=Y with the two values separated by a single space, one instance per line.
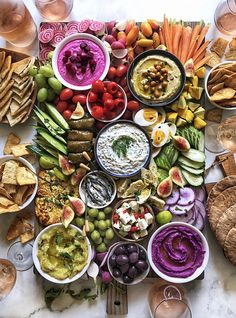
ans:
x=163 y=53
x=70 y=38
x=198 y=271
x=37 y=263
x=115 y=175
x=139 y=278
x=206 y=88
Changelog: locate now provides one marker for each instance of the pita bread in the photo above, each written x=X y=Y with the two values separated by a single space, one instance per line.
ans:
x=18 y=197
x=15 y=111
x=225 y=224
x=5 y=201
x=22 y=92
x=21 y=65
x=223 y=201
x=6 y=80
x=24 y=84
x=216 y=88
x=5 y=193
x=219 y=46
x=6 y=67
x=214 y=59
x=9 y=172
x=12 y=140
x=2 y=58
x=231 y=81
x=24 y=176
x=4 y=109
x=13 y=120
x=230 y=246
x=219 y=187
x=10 y=188
x=16 y=228
x=6 y=89
x=19 y=80
x=27 y=236
x=26 y=70
x=20 y=150
x=12 y=208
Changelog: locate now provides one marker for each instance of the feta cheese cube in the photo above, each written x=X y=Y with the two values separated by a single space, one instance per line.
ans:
x=126 y=228
x=134 y=205
x=135 y=235
x=143 y=233
x=148 y=218
x=142 y=224
x=117 y=225
x=132 y=219
x=125 y=206
x=120 y=211
x=125 y=217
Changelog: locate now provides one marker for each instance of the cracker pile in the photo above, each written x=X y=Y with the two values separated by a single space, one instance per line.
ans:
x=221 y=206
x=16 y=89
x=218 y=50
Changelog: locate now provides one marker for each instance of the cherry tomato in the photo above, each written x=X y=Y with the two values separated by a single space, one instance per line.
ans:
x=98 y=86
x=115 y=217
x=61 y=106
x=121 y=70
x=112 y=88
x=123 y=82
x=133 y=105
x=98 y=112
x=127 y=114
x=134 y=229
x=92 y=97
x=111 y=73
x=109 y=114
x=71 y=107
x=67 y=114
x=79 y=98
x=109 y=104
x=66 y=94
x=119 y=94
x=119 y=103
x=106 y=96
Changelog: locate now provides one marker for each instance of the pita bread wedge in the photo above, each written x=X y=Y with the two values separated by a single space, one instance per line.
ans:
x=10 y=188
x=225 y=224
x=13 y=120
x=5 y=193
x=214 y=59
x=22 y=92
x=25 y=71
x=24 y=84
x=6 y=80
x=4 y=109
x=216 y=88
x=20 y=150
x=27 y=236
x=12 y=208
x=12 y=140
x=24 y=176
x=19 y=80
x=21 y=108
x=6 y=89
x=20 y=66
x=2 y=58
x=9 y=172
x=5 y=201
x=223 y=201
x=14 y=107
x=231 y=81
x=222 y=94
x=216 y=74
x=219 y=46
x=18 y=197
x=6 y=67
x=230 y=246
x=228 y=103
x=16 y=228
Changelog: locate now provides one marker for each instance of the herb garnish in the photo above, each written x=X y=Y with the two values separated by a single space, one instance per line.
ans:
x=66 y=255
x=58 y=239
x=120 y=145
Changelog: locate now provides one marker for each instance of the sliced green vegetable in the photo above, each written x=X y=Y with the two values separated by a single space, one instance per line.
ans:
x=57 y=117
x=36 y=150
x=162 y=161
x=171 y=153
x=49 y=121
x=194 y=136
x=49 y=150
x=192 y=179
x=48 y=162
x=194 y=155
x=162 y=174
x=189 y=163
x=59 y=174
x=192 y=170
x=52 y=141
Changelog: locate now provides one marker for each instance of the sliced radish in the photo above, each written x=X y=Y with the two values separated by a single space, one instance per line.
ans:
x=186 y=218
x=43 y=54
x=119 y=54
x=199 y=222
x=187 y=196
x=201 y=208
x=58 y=37
x=109 y=26
x=200 y=193
x=166 y=207
x=84 y=25
x=46 y=36
x=121 y=25
x=109 y=38
x=173 y=198
x=180 y=209
x=117 y=45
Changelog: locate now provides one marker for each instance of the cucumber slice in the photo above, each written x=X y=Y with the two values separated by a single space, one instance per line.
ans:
x=192 y=170
x=57 y=117
x=52 y=141
x=174 y=158
x=36 y=150
x=192 y=179
x=201 y=142
x=189 y=163
x=48 y=149
x=194 y=155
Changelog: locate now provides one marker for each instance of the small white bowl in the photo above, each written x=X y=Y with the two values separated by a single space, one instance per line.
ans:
x=138 y=279
x=206 y=89
x=37 y=263
x=73 y=37
x=198 y=271
x=30 y=167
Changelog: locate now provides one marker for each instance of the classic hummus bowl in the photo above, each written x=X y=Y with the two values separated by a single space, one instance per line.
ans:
x=61 y=255
x=79 y=60
x=178 y=252
x=156 y=78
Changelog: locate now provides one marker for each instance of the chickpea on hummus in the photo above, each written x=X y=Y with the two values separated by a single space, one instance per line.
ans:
x=156 y=78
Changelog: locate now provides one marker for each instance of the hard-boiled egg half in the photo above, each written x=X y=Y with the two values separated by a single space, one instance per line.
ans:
x=146 y=117
x=160 y=135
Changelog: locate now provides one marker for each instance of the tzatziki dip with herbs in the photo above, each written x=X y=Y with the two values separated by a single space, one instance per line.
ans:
x=122 y=149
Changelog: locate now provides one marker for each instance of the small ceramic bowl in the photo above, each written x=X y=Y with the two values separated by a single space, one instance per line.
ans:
x=198 y=271
x=206 y=87
x=37 y=263
x=30 y=167
x=140 y=277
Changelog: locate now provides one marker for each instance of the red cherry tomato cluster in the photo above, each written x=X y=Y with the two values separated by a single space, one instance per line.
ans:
x=67 y=101
x=106 y=100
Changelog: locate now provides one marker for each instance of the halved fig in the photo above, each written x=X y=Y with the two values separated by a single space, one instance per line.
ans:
x=165 y=188
x=181 y=143
x=77 y=176
x=66 y=166
x=78 y=113
x=67 y=215
x=177 y=177
x=78 y=205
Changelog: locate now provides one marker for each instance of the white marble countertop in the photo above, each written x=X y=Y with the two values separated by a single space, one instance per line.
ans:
x=213 y=297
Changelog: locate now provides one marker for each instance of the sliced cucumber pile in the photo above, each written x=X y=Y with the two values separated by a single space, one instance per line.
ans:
x=192 y=179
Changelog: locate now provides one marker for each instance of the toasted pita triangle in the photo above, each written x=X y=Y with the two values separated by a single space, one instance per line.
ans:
x=13 y=120
x=5 y=108
x=5 y=81
x=6 y=89
x=23 y=107
x=2 y=58
x=6 y=66
x=19 y=66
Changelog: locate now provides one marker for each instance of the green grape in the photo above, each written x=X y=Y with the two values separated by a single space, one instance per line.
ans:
x=102 y=233
x=163 y=217
x=79 y=221
x=91 y=226
x=106 y=241
x=33 y=70
x=102 y=225
x=101 y=216
x=90 y=219
x=107 y=210
x=55 y=84
x=46 y=70
x=50 y=55
x=101 y=248
x=96 y=223
x=99 y=241
x=93 y=213
x=108 y=222
x=42 y=94
x=51 y=95
x=40 y=80
x=95 y=236
x=109 y=234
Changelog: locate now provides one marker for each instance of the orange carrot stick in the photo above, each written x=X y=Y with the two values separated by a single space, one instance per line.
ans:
x=161 y=37
x=200 y=50
x=202 y=62
x=196 y=31
x=176 y=39
x=180 y=45
x=167 y=34
x=202 y=36
x=200 y=57
x=171 y=32
x=187 y=33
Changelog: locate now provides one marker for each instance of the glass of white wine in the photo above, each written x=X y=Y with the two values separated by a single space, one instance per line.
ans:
x=226 y=134
x=21 y=255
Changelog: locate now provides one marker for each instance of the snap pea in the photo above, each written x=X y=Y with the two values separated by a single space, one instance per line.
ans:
x=52 y=141
x=57 y=117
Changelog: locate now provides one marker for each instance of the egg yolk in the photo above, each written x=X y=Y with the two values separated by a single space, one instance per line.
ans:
x=149 y=115
x=159 y=136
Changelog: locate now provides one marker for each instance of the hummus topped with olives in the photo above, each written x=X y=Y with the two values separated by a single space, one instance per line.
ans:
x=156 y=78
x=62 y=252
x=122 y=149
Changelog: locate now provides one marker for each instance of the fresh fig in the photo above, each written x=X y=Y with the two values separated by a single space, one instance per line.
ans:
x=165 y=188
x=181 y=143
x=66 y=166
x=78 y=205
x=78 y=113
x=67 y=215
x=176 y=176
x=77 y=176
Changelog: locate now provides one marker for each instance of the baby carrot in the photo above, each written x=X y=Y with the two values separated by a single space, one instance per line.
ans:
x=176 y=39
x=196 y=31
x=202 y=36
x=200 y=50
x=187 y=33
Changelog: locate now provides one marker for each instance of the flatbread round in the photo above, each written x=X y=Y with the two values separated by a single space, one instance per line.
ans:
x=223 y=201
x=226 y=222
x=230 y=246
x=219 y=187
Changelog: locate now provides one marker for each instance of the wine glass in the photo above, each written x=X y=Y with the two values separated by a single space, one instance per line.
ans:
x=212 y=143
x=21 y=255
x=226 y=134
x=7 y=277
x=54 y=10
